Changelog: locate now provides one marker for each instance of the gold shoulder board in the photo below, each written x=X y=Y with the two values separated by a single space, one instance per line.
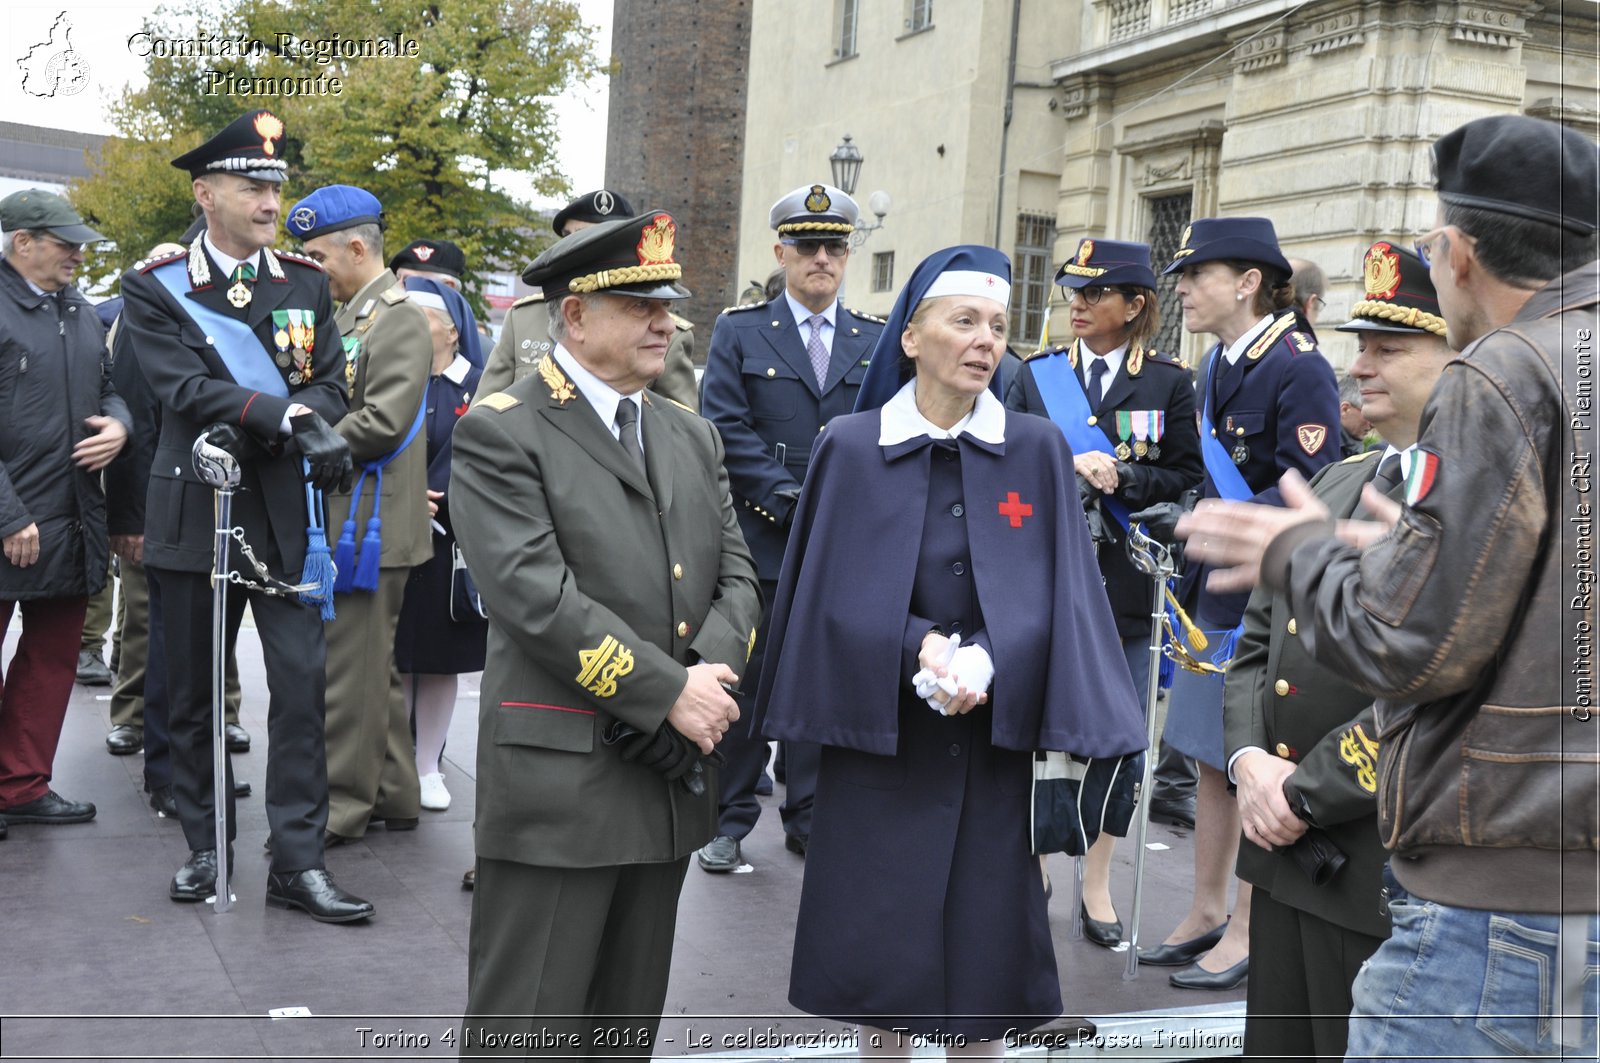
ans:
x=397 y=294
x=683 y=323
x=499 y=402
x=537 y=297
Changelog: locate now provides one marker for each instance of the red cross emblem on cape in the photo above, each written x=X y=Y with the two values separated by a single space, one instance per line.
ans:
x=1014 y=508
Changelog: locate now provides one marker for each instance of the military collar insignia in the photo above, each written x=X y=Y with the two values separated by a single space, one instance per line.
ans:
x=366 y=309
x=199 y=266
x=1274 y=333
x=274 y=267
x=562 y=390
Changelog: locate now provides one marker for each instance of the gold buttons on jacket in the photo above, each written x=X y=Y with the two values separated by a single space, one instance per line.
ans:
x=1282 y=750
x=683 y=628
x=1093 y=421
x=771 y=371
x=1238 y=431
x=1282 y=688
x=1292 y=628
x=677 y=571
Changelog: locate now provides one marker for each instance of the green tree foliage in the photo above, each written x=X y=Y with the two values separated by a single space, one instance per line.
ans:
x=423 y=134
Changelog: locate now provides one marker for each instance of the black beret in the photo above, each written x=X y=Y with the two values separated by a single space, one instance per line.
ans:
x=432 y=256
x=1526 y=167
x=597 y=206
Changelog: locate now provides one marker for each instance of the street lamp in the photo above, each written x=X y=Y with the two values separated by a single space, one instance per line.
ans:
x=846 y=164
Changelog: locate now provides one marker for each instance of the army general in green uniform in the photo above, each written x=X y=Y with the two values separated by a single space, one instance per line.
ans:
x=1302 y=745
x=525 y=335
x=621 y=596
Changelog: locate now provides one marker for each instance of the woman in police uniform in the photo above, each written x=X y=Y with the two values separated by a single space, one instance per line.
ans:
x=1268 y=402
x=1129 y=414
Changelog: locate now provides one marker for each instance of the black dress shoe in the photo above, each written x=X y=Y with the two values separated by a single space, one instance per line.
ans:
x=720 y=854
x=1173 y=813
x=470 y=879
x=394 y=823
x=238 y=738
x=1198 y=977
x=315 y=893
x=1183 y=953
x=797 y=843
x=197 y=878
x=165 y=805
x=123 y=740
x=1106 y=935
x=241 y=788
x=92 y=671
x=51 y=808
x=764 y=785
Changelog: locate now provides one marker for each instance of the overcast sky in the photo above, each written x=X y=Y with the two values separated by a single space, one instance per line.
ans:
x=100 y=32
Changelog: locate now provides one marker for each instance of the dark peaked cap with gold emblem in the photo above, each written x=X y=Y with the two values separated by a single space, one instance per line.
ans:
x=629 y=256
x=1400 y=296
x=814 y=211
x=1108 y=263
x=1236 y=239
x=250 y=146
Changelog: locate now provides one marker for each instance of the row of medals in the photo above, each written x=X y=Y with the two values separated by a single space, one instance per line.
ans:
x=293 y=340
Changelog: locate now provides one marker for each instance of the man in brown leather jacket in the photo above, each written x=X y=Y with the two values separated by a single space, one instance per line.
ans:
x=1472 y=619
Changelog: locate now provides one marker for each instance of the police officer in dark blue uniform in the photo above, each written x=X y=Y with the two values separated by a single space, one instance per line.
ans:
x=1269 y=402
x=776 y=372
x=1128 y=413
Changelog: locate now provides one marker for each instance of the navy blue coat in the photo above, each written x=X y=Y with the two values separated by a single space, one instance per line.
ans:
x=1157 y=384
x=761 y=393
x=1281 y=404
x=842 y=611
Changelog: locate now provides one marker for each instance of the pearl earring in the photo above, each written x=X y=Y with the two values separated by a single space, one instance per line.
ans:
x=1239 y=296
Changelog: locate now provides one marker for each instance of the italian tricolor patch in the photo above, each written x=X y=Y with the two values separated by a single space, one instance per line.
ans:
x=1421 y=471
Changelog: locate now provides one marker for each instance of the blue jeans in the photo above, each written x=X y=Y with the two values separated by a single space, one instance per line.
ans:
x=1460 y=983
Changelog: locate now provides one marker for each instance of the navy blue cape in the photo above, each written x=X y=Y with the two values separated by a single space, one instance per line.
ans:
x=834 y=652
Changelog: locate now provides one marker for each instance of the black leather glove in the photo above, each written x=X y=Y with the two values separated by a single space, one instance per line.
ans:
x=230 y=437
x=792 y=496
x=1159 y=521
x=324 y=450
x=666 y=751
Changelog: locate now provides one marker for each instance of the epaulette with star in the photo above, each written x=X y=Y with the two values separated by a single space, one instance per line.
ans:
x=536 y=297
x=863 y=315
x=1157 y=358
x=683 y=323
x=290 y=256
x=745 y=306
x=1060 y=348
x=145 y=265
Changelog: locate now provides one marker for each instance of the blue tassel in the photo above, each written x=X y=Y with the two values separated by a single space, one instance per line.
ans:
x=344 y=558
x=318 y=570
x=366 y=576
x=1224 y=652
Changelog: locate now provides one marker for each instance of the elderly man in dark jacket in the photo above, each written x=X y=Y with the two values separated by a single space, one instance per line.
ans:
x=64 y=424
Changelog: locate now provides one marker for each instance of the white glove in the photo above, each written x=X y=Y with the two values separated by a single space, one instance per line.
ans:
x=971 y=667
x=927 y=683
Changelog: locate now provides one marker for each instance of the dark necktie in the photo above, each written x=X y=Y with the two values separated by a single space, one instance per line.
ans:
x=627 y=431
x=1384 y=481
x=1097 y=372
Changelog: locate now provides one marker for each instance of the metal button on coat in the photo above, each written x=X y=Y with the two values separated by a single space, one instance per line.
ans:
x=1281 y=687
x=683 y=628
x=957 y=509
x=677 y=571
x=1292 y=629
x=955 y=750
x=959 y=569
x=1283 y=750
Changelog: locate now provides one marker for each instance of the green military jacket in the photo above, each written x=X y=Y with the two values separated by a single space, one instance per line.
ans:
x=1278 y=698
x=525 y=338
x=388 y=356
x=602 y=584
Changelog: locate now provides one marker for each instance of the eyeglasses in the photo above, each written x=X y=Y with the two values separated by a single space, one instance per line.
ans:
x=53 y=238
x=1093 y=293
x=808 y=248
x=1423 y=246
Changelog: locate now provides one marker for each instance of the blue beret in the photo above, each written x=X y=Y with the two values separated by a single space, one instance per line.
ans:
x=332 y=208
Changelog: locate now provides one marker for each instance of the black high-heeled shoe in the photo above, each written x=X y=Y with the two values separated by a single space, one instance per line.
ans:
x=1106 y=935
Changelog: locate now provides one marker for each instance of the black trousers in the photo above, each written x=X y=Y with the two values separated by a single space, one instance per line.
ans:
x=565 y=962
x=747 y=755
x=1297 y=1004
x=295 y=655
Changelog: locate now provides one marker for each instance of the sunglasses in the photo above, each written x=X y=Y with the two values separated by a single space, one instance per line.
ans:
x=808 y=248
x=1093 y=293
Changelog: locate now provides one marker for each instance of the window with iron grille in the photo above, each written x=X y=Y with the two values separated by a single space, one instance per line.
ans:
x=847 y=29
x=921 y=16
x=883 y=271
x=1032 y=271
x=1169 y=215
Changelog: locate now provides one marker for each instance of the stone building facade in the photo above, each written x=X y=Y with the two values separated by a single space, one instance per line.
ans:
x=675 y=131
x=1028 y=124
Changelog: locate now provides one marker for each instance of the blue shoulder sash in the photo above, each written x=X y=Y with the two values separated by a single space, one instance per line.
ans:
x=1224 y=474
x=1068 y=407
x=239 y=348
